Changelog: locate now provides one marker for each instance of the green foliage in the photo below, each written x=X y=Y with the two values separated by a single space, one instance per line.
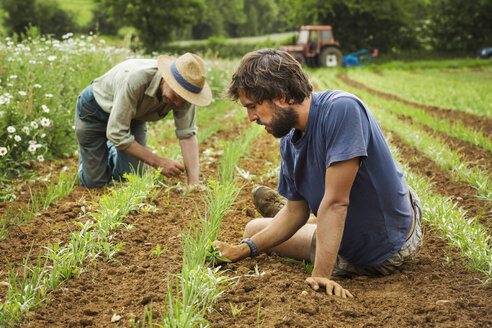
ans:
x=460 y=24
x=156 y=20
x=46 y=15
x=218 y=17
x=221 y=47
x=40 y=79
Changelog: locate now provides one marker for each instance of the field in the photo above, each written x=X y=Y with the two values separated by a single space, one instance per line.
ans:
x=137 y=254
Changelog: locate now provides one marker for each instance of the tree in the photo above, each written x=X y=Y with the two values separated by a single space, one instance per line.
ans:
x=261 y=17
x=461 y=24
x=155 y=19
x=357 y=24
x=218 y=16
x=20 y=13
x=46 y=15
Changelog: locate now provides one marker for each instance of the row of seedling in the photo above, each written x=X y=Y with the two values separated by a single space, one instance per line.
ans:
x=439 y=152
x=191 y=294
x=62 y=262
x=465 y=91
x=41 y=199
x=468 y=236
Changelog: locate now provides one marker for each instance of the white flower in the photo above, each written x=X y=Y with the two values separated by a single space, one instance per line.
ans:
x=45 y=108
x=3 y=151
x=45 y=121
x=4 y=100
x=10 y=85
x=40 y=158
x=48 y=95
x=32 y=142
x=17 y=138
x=32 y=148
x=22 y=93
x=10 y=129
x=43 y=135
x=51 y=58
x=34 y=124
x=32 y=62
x=12 y=76
x=37 y=85
x=25 y=130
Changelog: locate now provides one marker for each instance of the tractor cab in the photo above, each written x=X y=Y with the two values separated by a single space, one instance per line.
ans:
x=316 y=46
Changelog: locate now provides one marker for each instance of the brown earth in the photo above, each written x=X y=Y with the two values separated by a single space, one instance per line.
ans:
x=430 y=292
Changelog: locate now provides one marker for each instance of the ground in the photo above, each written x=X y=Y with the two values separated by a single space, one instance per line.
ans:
x=436 y=290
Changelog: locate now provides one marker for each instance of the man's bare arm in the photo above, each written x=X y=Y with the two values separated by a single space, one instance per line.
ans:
x=330 y=224
x=285 y=224
x=167 y=166
x=189 y=149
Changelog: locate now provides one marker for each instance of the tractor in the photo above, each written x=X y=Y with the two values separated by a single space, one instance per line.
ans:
x=316 y=46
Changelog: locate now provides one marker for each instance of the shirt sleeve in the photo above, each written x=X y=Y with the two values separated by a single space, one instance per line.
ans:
x=286 y=186
x=124 y=109
x=184 y=121
x=346 y=131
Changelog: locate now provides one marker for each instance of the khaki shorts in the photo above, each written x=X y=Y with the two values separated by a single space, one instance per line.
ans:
x=406 y=253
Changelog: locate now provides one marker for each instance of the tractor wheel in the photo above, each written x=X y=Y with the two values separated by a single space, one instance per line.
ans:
x=330 y=57
x=299 y=58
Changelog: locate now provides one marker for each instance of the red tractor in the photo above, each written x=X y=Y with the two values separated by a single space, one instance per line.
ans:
x=316 y=46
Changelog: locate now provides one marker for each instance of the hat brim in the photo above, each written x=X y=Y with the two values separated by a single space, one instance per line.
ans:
x=200 y=99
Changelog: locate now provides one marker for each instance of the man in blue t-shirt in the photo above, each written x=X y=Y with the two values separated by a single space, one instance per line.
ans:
x=335 y=164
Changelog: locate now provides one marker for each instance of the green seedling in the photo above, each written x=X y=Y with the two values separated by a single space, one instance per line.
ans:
x=157 y=251
x=235 y=310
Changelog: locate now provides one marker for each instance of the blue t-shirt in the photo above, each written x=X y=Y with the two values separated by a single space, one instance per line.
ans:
x=339 y=128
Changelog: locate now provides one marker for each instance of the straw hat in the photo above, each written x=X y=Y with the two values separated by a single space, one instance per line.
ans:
x=186 y=76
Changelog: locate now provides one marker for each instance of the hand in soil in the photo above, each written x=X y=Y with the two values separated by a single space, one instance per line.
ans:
x=231 y=252
x=330 y=286
x=169 y=167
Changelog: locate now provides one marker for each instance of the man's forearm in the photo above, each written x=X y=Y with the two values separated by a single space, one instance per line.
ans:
x=329 y=232
x=285 y=224
x=189 y=149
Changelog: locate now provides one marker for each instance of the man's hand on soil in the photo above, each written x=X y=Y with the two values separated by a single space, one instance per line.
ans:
x=231 y=252
x=330 y=286
x=170 y=167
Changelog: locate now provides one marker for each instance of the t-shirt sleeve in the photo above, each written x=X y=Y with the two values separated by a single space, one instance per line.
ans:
x=347 y=125
x=184 y=121
x=286 y=186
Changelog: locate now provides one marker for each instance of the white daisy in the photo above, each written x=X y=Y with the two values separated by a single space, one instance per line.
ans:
x=17 y=138
x=25 y=130
x=34 y=124
x=32 y=148
x=45 y=108
x=22 y=93
x=40 y=158
x=10 y=129
x=3 y=151
x=51 y=58
x=37 y=85
x=45 y=122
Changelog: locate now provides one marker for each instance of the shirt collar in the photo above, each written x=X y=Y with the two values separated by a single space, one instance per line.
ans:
x=153 y=87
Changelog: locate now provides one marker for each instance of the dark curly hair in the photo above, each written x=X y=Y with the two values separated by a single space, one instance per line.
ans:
x=270 y=74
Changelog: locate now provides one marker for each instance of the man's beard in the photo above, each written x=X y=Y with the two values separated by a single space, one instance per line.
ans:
x=283 y=120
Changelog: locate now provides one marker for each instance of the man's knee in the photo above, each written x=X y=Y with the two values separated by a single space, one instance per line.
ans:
x=255 y=226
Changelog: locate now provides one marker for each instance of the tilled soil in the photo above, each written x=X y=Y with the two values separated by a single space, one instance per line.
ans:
x=433 y=291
